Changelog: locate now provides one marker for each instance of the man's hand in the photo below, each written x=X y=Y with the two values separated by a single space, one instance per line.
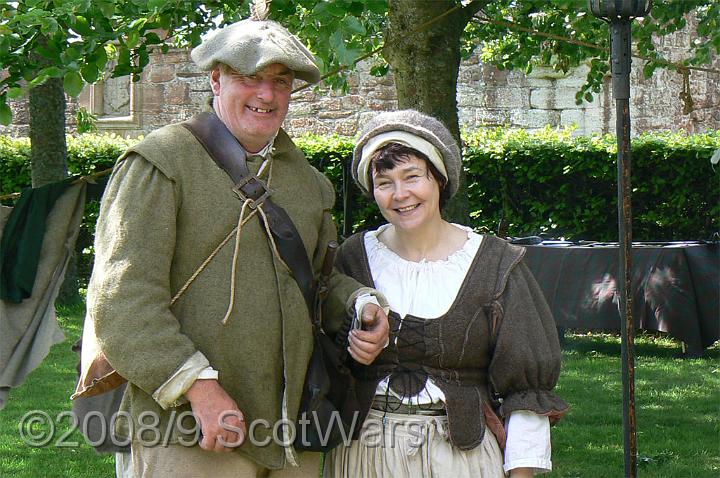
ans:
x=367 y=343
x=221 y=421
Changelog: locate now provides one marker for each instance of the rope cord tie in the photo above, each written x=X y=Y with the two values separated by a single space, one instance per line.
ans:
x=272 y=239
x=236 y=253
x=207 y=261
x=236 y=233
x=267 y=163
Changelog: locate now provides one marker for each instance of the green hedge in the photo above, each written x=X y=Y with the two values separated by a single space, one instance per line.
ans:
x=553 y=183
x=14 y=164
x=87 y=153
x=546 y=181
x=330 y=154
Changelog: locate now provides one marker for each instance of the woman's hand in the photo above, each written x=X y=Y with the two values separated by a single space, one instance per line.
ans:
x=367 y=343
x=521 y=473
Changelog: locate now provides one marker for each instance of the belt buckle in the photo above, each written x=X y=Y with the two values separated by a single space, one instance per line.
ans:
x=254 y=202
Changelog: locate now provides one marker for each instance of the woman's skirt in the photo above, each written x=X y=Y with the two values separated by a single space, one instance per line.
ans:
x=394 y=445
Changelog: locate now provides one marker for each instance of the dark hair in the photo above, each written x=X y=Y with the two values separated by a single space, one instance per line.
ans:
x=393 y=154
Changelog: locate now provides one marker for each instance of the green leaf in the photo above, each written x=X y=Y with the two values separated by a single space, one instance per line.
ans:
x=37 y=81
x=90 y=72
x=48 y=25
x=52 y=72
x=336 y=9
x=649 y=69
x=336 y=42
x=124 y=57
x=82 y=26
x=15 y=93
x=379 y=70
x=351 y=25
x=321 y=9
x=356 y=8
x=165 y=22
x=143 y=57
x=73 y=83
x=121 y=69
x=151 y=38
x=72 y=54
x=132 y=39
x=137 y=24
x=345 y=55
x=107 y=8
x=377 y=6
x=5 y=114
x=320 y=63
x=100 y=58
x=49 y=52
x=156 y=4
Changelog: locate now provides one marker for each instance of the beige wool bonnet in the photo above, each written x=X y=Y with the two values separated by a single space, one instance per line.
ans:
x=251 y=45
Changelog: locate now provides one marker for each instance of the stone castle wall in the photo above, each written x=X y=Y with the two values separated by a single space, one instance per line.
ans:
x=172 y=89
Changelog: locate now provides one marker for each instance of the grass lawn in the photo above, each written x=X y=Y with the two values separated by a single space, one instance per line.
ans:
x=677 y=403
x=677 y=410
x=48 y=388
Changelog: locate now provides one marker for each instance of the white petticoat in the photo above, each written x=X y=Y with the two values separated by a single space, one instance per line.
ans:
x=396 y=445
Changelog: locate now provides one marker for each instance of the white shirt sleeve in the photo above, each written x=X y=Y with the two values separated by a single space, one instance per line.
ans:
x=170 y=394
x=528 y=442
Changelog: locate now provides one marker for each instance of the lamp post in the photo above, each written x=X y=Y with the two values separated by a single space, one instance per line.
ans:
x=619 y=14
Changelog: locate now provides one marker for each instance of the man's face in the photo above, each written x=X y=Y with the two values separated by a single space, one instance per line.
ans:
x=253 y=107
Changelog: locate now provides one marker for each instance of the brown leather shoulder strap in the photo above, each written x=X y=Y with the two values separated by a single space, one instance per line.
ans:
x=229 y=155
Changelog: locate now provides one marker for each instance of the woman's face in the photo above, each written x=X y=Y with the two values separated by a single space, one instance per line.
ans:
x=408 y=195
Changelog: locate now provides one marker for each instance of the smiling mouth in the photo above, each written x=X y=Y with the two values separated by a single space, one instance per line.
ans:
x=407 y=208
x=258 y=110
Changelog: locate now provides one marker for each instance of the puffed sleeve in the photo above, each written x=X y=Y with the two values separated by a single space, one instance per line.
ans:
x=525 y=365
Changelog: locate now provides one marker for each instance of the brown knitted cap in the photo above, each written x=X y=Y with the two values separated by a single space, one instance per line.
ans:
x=419 y=124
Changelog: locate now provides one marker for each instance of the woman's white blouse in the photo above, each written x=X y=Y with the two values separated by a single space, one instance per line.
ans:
x=427 y=289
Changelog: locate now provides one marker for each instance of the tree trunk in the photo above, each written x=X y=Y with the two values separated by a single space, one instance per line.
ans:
x=48 y=156
x=425 y=66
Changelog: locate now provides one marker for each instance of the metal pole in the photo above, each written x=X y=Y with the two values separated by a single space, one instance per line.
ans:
x=620 y=46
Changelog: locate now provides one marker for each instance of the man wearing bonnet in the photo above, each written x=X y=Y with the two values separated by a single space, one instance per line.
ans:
x=233 y=347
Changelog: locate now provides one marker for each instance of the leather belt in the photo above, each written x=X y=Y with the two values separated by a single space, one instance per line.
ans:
x=394 y=405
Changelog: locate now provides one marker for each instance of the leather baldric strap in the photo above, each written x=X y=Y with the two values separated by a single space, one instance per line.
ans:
x=230 y=156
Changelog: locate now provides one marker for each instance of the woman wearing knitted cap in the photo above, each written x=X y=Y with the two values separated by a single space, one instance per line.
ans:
x=469 y=325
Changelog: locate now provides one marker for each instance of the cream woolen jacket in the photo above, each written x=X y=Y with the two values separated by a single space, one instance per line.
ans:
x=166 y=207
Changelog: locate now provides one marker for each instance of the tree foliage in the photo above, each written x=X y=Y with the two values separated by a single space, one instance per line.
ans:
x=510 y=34
x=81 y=38
x=564 y=34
